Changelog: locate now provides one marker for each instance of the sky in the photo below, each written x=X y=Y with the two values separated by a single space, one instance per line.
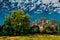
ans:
x=50 y=9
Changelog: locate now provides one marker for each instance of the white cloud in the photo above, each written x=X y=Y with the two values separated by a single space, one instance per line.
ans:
x=32 y=1
x=32 y=8
x=27 y=1
x=1 y=0
x=12 y=6
x=38 y=2
x=56 y=4
x=46 y=1
x=11 y=0
x=54 y=1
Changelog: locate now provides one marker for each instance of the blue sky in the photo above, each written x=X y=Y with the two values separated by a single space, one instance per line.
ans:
x=50 y=9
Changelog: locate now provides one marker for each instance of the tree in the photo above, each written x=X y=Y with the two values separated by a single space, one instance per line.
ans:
x=58 y=29
x=17 y=22
x=49 y=29
x=26 y=24
x=53 y=22
x=42 y=19
x=1 y=30
x=34 y=29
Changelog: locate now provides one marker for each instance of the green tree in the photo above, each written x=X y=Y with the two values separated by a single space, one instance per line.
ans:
x=1 y=30
x=34 y=29
x=53 y=21
x=17 y=22
x=49 y=29
x=58 y=29
x=42 y=19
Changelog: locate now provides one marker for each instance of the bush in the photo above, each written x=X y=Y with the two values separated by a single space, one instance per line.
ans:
x=34 y=29
x=23 y=31
x=49 y=30
x=1 y=28
x=58 y=29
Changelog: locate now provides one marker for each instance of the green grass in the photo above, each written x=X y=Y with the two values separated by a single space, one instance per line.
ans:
x=31 y=37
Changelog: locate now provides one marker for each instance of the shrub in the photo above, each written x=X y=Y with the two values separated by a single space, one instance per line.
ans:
x=34 y=29
x=1 y=28
x=58 y=29
x=49 y=30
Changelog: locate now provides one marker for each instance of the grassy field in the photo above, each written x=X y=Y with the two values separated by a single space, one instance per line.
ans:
x=31 y=37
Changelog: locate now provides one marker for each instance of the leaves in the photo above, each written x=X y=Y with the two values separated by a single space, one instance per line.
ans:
x=16 y=23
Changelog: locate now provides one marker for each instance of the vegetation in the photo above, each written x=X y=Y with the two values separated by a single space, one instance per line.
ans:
x=31 y=37
x=49 y=30
x=58 y=29
x=17 y=24
x=34 y=29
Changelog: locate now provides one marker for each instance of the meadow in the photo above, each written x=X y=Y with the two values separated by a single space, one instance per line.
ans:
x=31 y=37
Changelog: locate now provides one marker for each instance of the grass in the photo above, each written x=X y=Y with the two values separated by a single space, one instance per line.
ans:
x=31 y=37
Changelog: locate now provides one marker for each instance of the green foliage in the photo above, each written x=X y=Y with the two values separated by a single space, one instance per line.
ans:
x=58 y=29
x=1 y=30
x=53 y=21
x=42 y=19
x=16 y=23
x=35 y=29
x=49 y=30
x=19 y=24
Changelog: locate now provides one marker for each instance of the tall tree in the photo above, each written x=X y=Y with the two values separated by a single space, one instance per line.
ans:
x=17 y=22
